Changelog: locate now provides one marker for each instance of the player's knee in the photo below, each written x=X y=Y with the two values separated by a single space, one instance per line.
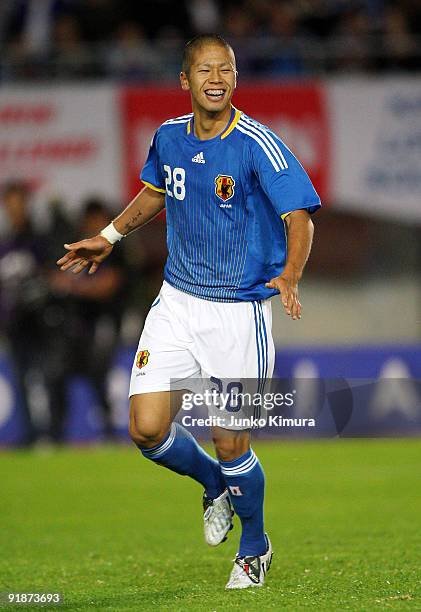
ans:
x=146 y=434
x=230 y=446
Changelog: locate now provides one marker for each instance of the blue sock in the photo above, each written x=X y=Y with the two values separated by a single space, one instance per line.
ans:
x=246 y=485
x=180 y=453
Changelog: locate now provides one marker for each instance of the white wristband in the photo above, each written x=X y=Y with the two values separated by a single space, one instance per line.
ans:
x=111 y=234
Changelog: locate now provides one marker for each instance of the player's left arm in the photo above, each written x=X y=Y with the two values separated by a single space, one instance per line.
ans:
x=300 y=231
x=294 y=198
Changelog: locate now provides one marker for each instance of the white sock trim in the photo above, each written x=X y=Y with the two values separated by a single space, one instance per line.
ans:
x=157 y=452
x=244 y=467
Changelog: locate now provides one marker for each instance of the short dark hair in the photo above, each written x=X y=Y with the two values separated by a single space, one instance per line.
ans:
x=196 y=43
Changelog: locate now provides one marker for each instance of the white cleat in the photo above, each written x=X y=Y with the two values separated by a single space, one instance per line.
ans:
x=250 y=571
x=217 y=518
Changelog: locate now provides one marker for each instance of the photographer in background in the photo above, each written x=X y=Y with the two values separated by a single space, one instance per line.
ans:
x=87 y=314
x=23 y=296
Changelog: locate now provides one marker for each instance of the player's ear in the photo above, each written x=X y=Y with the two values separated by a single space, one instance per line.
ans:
x=184 y=81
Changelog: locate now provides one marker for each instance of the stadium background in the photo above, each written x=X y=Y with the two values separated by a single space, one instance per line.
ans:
x=83 y=86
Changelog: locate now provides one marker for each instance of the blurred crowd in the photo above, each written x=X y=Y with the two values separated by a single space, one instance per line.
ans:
x=47 y=39
x=55 y=325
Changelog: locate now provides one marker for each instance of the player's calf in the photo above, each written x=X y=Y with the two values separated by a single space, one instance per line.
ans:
x=230 y=444
x=178 y=451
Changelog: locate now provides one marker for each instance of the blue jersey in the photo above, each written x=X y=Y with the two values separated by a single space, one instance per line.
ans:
x=225 y=201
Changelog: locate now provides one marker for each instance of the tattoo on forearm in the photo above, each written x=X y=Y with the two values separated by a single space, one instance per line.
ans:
x=132 y=223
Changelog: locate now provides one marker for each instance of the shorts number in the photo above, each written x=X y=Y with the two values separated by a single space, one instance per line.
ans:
x=233 y=391
x=178 y=178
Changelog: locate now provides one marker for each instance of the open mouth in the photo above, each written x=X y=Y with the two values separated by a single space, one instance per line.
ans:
x=215 y=95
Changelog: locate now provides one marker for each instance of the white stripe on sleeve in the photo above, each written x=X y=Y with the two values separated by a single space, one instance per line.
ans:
x=261 y=143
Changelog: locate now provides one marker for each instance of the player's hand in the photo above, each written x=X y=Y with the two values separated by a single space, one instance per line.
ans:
x=287 y=285
x=90 y=252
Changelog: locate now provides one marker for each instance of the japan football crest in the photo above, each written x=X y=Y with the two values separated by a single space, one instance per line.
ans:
x=224 y=187
x=142 y=359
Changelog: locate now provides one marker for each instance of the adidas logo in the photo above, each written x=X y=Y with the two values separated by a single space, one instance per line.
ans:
x=199 y=159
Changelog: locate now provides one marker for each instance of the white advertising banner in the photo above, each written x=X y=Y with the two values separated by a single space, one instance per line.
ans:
x=376 y=146
x=64 y=141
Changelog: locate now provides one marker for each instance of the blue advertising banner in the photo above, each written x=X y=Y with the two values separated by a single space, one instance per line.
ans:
x=346 y=391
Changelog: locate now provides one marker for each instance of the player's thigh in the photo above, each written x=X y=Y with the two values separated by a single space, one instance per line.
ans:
x=163 y=358
x=151 y=414
x=162 y=363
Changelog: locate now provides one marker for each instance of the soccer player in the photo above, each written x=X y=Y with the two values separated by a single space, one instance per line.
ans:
x=233 y=193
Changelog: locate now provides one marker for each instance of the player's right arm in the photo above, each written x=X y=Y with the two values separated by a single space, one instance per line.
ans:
x=92 y=251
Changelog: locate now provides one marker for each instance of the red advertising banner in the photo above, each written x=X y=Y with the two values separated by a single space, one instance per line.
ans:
x=143 y=111
x=296 y=112
x=63 y=141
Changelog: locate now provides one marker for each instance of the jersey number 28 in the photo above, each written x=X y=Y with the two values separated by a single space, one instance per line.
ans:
x=174 y=182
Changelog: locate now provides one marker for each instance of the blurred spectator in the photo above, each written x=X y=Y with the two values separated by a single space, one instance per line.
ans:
x=238 y=29
x=351 y=48
x=284 y=47
x=169 y=44
x=319 y=17
x=31 y=22
x=99 y=18
x=72 y=38
x=84 y=317
x=156 y=15
x=399 y=44
x=6 y=7
x=131 y=55
x=259 y=12
x=412 y=9
x=69 y=54
x=29 y=37
x=204 y=16
x=23 y=295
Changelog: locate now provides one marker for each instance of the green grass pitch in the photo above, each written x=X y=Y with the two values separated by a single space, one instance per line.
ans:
x=112 y=531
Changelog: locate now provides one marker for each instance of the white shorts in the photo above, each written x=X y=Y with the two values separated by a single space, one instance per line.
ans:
x=186 y=339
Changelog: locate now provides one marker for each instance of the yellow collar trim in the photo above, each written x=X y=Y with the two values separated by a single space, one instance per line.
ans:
x=233 y=123
x=229 y=129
